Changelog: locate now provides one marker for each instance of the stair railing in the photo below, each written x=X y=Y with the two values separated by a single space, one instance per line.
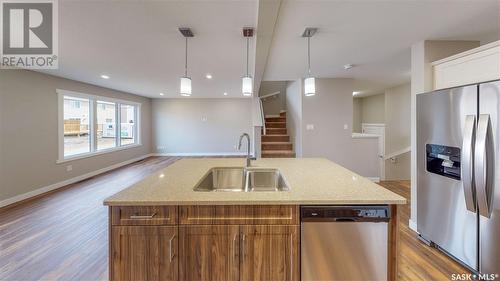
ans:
x=262 y=116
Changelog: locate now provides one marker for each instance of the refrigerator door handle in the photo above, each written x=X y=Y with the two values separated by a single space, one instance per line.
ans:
x=468 y=162
x=483 y=165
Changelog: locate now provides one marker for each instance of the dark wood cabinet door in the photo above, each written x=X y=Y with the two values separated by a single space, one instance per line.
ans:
x=144 y=253
x=209 y=253
x=269 y=253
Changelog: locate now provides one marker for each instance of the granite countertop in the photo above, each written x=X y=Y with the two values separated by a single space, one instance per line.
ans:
x=312 y=181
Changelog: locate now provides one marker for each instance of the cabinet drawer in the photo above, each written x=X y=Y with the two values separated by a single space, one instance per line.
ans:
x=278 y=214
x=144 y=215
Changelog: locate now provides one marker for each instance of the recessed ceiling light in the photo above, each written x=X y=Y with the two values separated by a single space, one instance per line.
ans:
x=162 y=94
x=104 y=76
x=208 y=76
x=348 y=66
x=225 y=93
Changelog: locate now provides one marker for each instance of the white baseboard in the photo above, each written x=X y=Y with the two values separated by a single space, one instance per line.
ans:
x=54 y=186
x=413 y=225
x=374 y=179
x=201 y=154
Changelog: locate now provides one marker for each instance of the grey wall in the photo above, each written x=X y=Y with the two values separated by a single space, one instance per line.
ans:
x=294 y=114
x=273 y=106
x=200 y=126
x=28 y=132
x=397 y=130
x=330 y=110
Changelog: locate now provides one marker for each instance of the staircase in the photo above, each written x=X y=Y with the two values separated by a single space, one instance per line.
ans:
x=276 y=143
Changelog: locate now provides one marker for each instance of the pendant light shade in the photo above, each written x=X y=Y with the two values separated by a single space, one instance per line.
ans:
x=247 y=86
x=309 y=87
x=309 y=82
x=185 y=88
x=247 y=81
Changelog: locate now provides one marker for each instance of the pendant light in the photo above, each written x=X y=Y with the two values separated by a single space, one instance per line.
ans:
x=185 y=88
x=309 y=81
x=247 y=81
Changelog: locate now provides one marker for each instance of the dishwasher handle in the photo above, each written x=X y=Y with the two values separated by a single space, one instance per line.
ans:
x=346 y=219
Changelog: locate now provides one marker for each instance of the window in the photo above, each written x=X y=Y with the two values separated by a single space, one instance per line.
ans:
x=91 y=125
x=106 y=125
x=76 y=126
x=127 y=126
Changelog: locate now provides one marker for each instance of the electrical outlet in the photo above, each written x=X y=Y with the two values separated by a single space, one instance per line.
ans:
x=204 y=119
x=69 y=168
x=346 y=127
x=310 y=127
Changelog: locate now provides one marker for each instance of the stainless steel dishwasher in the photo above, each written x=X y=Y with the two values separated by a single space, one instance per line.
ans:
x=344 y=243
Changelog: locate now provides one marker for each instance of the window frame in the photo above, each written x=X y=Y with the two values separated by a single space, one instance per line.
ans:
x=93 y=99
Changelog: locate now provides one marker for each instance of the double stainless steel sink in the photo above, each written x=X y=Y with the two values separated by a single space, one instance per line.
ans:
x=239 y=179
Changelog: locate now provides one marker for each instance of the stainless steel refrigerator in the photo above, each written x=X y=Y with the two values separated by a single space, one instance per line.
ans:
x=458 y=173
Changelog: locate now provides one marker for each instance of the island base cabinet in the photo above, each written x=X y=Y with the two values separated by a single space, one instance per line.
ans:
x=269 y=253
x=209 y=253
x=144 y=253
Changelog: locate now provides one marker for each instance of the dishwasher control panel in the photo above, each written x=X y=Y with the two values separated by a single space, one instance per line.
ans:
x=375 y=213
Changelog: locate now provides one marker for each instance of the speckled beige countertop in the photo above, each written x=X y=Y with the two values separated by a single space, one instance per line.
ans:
x=312 y=181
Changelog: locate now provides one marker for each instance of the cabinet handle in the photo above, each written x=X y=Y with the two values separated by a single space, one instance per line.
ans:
x=170 y=248
x=234 y=245
x=144 y=217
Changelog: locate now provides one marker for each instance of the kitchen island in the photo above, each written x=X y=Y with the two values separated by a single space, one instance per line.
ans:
x=162 y=229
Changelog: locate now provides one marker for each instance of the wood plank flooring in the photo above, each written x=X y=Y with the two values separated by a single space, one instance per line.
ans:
x=64 y=235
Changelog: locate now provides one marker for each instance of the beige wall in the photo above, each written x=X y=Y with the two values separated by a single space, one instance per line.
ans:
x=200 y=126
x=294 y=114
x=373 y=109
x=331 y=113
x=273 y=106
x=356 y=115
x=28 y=132
x=370 y=109
x=397 y=131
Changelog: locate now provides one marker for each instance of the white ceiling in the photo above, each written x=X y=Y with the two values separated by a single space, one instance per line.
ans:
x=374 y=35
x=138 y=45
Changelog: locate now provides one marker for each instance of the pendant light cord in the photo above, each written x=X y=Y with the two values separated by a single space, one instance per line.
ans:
x=186 y=60
x=247 y=56
x=309 y=55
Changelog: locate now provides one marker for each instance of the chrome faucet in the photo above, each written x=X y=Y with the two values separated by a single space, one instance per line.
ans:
x=248 y=147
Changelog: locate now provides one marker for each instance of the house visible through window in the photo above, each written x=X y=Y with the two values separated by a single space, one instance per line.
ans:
x=92 y=125
x=106 y=125
x=76 y=125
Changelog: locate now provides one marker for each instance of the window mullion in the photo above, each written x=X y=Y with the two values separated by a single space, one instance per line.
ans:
x=118 y=125
x=93 y=126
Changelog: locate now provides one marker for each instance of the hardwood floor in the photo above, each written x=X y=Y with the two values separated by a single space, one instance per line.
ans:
x=64 y=235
